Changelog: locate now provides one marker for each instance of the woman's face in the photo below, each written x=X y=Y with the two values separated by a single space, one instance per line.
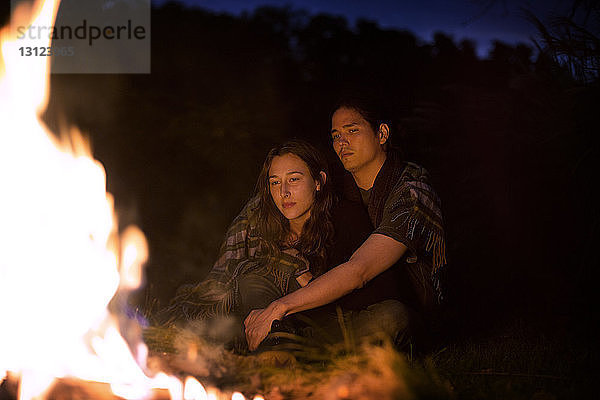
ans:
x=292 y=188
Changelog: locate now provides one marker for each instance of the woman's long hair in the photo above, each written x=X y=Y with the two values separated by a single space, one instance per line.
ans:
x=274 y=229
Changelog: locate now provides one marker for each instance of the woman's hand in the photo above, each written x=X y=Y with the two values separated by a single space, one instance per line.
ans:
x=258 y=323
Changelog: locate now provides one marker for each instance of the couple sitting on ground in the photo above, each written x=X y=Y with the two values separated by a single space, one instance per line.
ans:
x=295 y=248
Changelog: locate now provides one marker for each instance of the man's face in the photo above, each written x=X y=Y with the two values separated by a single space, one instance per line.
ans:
x=354 y=140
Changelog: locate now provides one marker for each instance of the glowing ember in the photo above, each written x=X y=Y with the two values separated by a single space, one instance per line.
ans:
x=212 y=394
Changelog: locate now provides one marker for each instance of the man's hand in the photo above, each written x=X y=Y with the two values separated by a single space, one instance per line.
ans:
x=258 y=323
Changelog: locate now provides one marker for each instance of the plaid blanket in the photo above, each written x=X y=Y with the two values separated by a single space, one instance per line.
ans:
x=241 y=253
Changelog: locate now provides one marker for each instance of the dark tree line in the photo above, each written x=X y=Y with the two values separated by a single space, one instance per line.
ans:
x=511 y=142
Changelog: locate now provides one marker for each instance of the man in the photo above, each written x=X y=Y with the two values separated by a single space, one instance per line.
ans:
x=393 y=271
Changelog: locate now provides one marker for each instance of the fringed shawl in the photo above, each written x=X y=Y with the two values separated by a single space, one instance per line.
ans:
x=404 y=206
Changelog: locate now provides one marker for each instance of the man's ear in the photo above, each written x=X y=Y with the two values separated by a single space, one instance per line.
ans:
x=322 y=180
x=384 y=133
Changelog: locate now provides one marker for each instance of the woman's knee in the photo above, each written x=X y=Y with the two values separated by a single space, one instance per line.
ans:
x=256 y=291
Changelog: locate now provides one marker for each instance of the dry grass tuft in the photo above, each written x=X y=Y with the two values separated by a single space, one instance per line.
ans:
x=298 y=369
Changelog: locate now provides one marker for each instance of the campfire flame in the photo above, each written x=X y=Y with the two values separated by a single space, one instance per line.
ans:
x=194 y=390
x=61 y=258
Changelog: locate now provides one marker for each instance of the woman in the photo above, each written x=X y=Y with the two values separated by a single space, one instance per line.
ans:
x=280 y=241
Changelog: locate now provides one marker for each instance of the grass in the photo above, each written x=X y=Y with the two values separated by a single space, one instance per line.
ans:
x=517 y=361
x=297 y=369
x=522 y=360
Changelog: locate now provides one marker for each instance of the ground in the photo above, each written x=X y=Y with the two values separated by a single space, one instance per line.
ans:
x=519 y=360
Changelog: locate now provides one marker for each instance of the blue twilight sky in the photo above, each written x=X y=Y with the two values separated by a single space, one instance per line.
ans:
x=480 y=20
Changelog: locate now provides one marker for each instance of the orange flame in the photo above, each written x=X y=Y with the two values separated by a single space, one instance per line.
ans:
x=60 y=263
x=193 y=390
x=61 y=258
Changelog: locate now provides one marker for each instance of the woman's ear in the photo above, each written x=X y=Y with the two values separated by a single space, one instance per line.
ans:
x=322 y=180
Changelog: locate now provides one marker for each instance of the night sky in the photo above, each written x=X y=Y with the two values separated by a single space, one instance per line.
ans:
x=480 y=20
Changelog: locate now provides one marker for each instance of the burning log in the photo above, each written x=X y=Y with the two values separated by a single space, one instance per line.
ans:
x=72 y=389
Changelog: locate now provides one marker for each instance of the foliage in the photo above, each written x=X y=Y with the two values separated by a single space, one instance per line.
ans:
x=573 y=40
